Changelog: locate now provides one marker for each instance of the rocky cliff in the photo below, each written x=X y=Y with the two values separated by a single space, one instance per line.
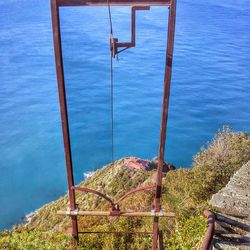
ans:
x=234 y=198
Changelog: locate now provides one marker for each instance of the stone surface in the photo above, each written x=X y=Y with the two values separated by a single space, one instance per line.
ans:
x=134 y=162
x=166 y=166
x=234 y=198
x=231 y=233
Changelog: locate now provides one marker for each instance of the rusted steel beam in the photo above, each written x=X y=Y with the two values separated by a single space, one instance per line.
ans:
x=122 y=213
x=89 y=190
x=165 y=102
x=113 y=2
x=208 y=239
x=139 y=189
x=114 y=232
x=63 y=109
x=160 y=241
x=164 y=116
x=155 y=233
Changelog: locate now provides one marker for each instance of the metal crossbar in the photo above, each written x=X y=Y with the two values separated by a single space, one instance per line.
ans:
x=121 y=213
x=65 y=3
x=115 y=232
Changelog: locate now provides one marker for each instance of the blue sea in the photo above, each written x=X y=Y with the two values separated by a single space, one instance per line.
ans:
x=210 y=88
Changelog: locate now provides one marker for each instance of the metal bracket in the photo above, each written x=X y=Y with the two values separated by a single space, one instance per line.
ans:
x=115 y=210
x=153 y=212
x=114 y=44
x=70 y=212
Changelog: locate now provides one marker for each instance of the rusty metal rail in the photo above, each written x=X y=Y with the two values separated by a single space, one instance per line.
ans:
x=89 y=190
x=208 y=239
x=114 y=205
x=136 y=190
x=121 y=198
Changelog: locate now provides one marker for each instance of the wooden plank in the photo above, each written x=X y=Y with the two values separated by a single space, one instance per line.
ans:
x=122 y=213
x=113 y=2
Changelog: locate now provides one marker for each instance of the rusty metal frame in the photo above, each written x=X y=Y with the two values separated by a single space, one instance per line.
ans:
x=55 y=6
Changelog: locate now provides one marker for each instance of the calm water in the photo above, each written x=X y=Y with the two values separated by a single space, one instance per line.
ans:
x=210 y=87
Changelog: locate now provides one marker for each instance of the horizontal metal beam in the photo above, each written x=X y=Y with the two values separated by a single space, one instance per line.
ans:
x=113 y=2
x=122 y=213
x=114 y=232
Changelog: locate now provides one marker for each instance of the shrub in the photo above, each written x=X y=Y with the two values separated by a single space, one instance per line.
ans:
x=188 y=233
x=214 y=165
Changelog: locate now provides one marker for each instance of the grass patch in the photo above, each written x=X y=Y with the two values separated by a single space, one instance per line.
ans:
x=185 y=192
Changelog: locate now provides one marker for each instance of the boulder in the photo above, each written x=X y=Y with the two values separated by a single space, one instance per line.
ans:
x=166 y=166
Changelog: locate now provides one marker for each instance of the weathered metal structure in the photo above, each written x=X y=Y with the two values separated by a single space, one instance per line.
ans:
x=74 y=212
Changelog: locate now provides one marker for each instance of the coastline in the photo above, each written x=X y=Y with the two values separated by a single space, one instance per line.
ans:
x=26 y=219
x=186 y=193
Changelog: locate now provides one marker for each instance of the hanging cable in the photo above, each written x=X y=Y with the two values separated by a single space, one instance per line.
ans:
x=112 y=104
x=111 y=84
x=110 y=18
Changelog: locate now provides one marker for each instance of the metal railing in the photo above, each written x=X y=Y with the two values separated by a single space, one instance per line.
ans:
x=208 y=239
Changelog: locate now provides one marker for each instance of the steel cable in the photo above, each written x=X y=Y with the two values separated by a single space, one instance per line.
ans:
x=111 y=83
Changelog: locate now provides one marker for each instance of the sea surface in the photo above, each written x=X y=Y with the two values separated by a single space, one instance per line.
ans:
x=210 y=88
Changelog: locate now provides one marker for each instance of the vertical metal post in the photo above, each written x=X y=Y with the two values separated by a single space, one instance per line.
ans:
x=164 y=117
x=63 y=110
x=133 y=26
x=160 y=241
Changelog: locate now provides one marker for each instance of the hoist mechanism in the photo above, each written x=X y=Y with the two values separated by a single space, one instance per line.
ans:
x=114 y=44
x=156 y=187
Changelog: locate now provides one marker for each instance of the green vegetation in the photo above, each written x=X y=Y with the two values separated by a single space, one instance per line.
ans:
x=185 y=192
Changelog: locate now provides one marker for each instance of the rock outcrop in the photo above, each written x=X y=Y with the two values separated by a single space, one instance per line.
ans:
x=137 y=163
x=232 y=225
x=153 y=164
x=234 y=198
